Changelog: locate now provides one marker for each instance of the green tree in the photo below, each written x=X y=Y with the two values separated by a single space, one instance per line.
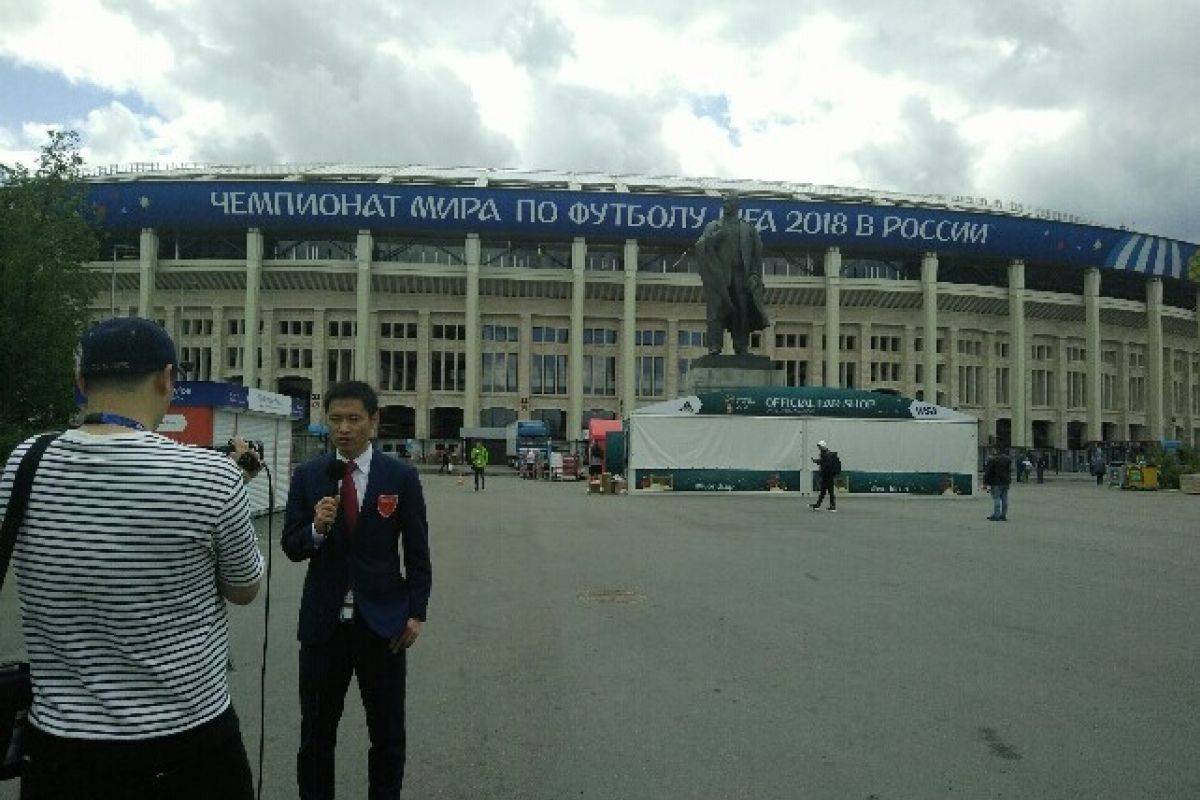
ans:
x=45 y=238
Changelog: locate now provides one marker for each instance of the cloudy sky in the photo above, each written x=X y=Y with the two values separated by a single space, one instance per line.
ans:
x=1085 y=106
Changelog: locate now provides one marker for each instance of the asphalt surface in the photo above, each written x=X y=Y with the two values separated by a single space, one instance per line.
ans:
x=677 y=646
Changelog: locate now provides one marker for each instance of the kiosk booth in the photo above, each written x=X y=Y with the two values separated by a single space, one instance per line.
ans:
x=209 y=414
x=764 y=439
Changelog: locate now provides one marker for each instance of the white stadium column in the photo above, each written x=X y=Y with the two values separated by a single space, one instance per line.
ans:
x=628 y=328
x=671 y=382
x=524 y=367
x=471 y=390
x=1061 y=390
x=320 y=371
x=929 y=330
x=148 y=256
x=217 y=343
x=908 y=371
x=987 y=388
x=862 y=380
x=424 y=396
x=950 y=355
x=254 y=264
x=833 y=316
x=1123 y=353
x=1018 y=352
x=1154 y=358
x=1095 y=378
x=575 y=360
x=816 y=352
x=364 y=364
x=266 y=342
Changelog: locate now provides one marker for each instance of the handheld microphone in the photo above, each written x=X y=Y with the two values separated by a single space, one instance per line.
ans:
x=335 y=471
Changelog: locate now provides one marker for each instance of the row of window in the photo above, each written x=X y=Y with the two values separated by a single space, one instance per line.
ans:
x=499 y=333
x=296 y=327
x=600 y=336
x=970 y=347
x=885 y=372
x=656 y=338
x=195 y=327
x=885 y=344
x=398 y=330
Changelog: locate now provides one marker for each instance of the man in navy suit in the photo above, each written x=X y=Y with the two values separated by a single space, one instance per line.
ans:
x=349 y=514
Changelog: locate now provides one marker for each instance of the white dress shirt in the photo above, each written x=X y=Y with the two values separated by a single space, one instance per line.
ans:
x=360 y=475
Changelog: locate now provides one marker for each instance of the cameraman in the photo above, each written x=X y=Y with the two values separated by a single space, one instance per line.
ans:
x=129 y=550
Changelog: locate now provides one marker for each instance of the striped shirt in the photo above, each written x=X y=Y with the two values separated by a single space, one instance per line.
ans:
x=117 y=565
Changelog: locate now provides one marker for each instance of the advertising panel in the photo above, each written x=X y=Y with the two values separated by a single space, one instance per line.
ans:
x=280 y=207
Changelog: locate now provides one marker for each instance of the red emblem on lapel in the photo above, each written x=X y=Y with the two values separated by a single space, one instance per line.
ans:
x=386 y=504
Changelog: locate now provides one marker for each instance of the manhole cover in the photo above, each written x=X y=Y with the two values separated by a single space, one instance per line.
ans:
x=611 y=597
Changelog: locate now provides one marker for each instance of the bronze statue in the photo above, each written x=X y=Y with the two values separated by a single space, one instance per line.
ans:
x=730 y=255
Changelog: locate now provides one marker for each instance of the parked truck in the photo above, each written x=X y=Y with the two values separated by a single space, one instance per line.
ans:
x=523 y=434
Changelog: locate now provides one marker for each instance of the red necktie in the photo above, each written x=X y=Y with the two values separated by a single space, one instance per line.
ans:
x=349 y=498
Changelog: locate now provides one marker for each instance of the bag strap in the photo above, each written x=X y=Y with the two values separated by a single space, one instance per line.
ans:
x=18 y=500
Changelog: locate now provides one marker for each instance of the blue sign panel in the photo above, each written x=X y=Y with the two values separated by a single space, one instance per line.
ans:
x=532 y=427
x=279 y=207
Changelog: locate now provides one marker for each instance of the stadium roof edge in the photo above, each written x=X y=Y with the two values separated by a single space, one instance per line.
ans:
x=494 y=177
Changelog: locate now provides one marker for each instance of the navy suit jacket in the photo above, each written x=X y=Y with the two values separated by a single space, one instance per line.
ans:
x=367 y=559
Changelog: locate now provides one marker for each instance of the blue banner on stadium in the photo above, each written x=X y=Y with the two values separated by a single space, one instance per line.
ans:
x=278 y=207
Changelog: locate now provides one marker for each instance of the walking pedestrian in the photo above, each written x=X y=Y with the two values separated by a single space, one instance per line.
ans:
x=829 y=466
x=479 y=462
x=1096 y=462
x=996 y=479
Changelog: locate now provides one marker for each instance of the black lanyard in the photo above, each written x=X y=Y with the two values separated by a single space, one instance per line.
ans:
x=104 y=418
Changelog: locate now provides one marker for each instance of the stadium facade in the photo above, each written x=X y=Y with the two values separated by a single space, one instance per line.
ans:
x=476 y=297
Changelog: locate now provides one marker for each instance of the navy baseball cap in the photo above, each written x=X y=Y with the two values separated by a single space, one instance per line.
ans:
x=125 y=346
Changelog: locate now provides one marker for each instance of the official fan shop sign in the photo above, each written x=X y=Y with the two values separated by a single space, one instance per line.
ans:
x=813 y=401
x=281 y=207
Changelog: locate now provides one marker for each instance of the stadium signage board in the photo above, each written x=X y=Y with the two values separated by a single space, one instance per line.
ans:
x=804 y=401
x=279 y=207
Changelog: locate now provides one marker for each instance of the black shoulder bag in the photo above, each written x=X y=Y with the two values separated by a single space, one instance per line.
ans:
x=16 y=690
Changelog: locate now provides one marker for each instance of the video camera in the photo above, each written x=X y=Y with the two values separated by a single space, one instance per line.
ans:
x=253 y=459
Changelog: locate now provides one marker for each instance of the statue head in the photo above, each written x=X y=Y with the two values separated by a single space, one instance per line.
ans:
x=729 y=206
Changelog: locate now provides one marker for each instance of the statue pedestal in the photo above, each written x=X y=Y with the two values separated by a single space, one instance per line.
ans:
x=731 y=372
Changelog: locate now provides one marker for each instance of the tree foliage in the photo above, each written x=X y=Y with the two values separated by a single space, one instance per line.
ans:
x=45 y=238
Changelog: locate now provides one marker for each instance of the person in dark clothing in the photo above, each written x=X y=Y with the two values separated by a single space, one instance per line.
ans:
x=365 y=537
x=595 y=460
x=1096 y=463
x=997 y=478
x=828 y=467
x=1042 y=463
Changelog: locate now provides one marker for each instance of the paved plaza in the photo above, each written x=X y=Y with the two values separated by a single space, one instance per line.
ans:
x=696 y=647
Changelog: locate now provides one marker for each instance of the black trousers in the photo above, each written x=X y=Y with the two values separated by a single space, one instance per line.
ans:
x=205 y=762
x=826 y=486
x=479 y=478
x=325 y=671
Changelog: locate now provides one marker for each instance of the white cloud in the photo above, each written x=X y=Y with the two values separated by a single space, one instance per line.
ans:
x=84 y=41
x=1068 y=104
